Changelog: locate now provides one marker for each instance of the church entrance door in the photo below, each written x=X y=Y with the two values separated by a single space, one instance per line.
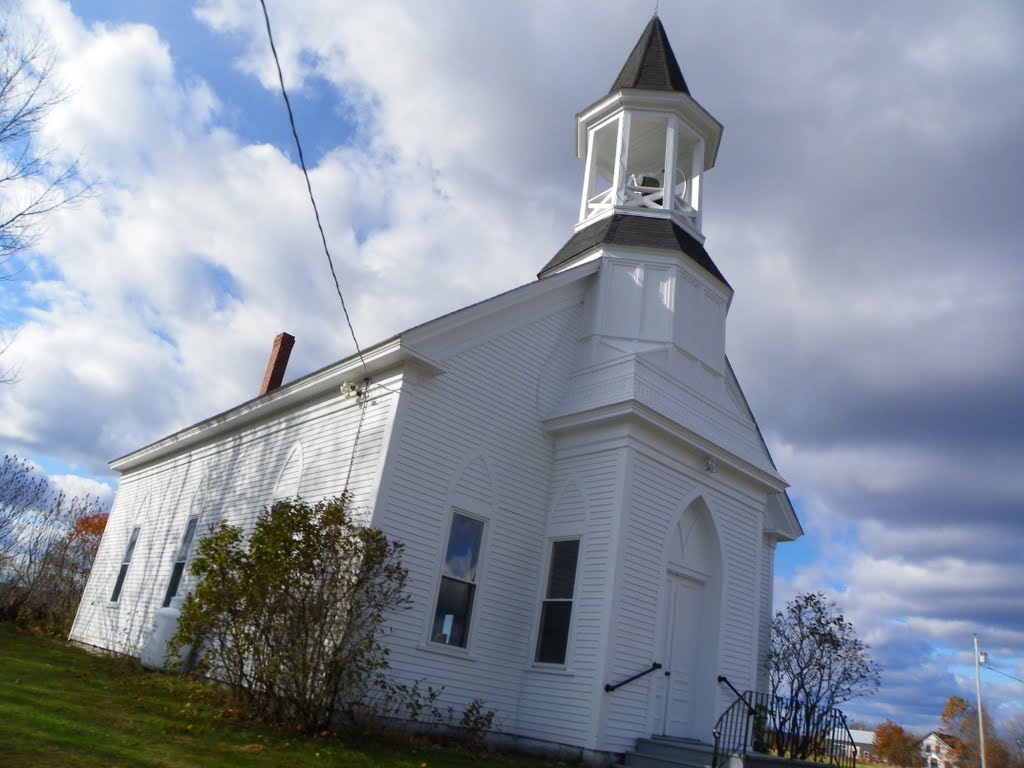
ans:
x=685 y=607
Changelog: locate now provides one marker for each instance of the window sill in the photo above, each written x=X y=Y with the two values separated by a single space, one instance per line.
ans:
x=556 y=670
x=451 y=651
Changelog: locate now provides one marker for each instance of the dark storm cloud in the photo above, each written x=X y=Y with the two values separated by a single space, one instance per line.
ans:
x=943 y=527
x=866 y=207
x=912 y=681
x=969 y=418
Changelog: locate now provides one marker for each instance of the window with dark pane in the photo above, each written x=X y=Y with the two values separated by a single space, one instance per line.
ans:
x=181 y=559
x=556 y=611
x=125 y=562
x=458 y=582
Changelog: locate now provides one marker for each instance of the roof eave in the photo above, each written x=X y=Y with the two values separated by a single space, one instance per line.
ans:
x=387 y=355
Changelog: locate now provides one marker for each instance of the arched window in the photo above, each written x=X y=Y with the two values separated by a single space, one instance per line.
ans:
x=185 y=545
x=287 y=486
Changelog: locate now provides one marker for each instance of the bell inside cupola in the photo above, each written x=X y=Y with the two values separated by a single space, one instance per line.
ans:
x=628 y=155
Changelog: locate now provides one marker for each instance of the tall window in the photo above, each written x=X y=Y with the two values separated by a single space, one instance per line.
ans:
x=180 y=559
x=125 y=562
x=458 y=582
x=556 y=611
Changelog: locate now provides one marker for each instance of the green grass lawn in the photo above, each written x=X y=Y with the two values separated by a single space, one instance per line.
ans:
x=62 y=706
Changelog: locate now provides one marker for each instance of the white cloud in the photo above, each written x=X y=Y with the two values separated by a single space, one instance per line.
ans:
x=81 y=487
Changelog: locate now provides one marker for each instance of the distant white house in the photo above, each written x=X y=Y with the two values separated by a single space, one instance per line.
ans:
x=862 y=746
x=938 y=750
x=580 y=485
x=863 y=742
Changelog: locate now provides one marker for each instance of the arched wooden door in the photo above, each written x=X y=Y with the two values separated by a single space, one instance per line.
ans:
x=689 y=627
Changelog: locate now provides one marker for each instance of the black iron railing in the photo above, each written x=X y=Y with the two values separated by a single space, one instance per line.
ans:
x=732 y=731
x=611 y=687
x=789 y=728
x=794 y=729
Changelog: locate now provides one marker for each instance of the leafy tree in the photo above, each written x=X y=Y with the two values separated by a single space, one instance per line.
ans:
x=959 y=719
x=895 y=745
x=816 y=662
x=290 y=619
x=57 y=585
x=956 y=716
x=48 y=542
x=31 y=183
x=815 y=655
x=1015 y=740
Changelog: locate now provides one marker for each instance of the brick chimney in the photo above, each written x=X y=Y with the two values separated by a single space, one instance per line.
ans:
x=278 y=361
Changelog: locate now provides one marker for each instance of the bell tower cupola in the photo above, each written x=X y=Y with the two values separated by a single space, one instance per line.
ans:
x=647 y=143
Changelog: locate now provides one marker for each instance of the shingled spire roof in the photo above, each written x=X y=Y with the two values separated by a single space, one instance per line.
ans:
x=651 y=64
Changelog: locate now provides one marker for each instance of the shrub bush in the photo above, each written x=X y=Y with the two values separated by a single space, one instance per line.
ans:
x=290 y=619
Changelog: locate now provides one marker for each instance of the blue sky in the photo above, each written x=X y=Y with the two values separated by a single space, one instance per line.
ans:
x=250 y=110
x=864 y=207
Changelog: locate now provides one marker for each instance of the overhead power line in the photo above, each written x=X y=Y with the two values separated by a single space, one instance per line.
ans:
x=309 y=186
x=1000 y=672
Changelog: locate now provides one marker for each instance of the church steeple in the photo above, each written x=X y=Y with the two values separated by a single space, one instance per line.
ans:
x=647 y=145
x=651 y=64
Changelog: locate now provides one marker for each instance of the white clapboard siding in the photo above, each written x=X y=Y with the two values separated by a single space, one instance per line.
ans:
x=236 y=475
x=471 y=438
x=657 y=497
x=765 y=617
x=564 y=700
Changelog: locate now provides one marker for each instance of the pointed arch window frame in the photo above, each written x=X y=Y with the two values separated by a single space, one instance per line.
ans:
x=125 y=565
x=187 y=542
x=291 y=491
x=181 y=559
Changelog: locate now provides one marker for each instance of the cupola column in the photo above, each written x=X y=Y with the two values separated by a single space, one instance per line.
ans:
x=621 y=157
x=671 y=153
x=694 y=197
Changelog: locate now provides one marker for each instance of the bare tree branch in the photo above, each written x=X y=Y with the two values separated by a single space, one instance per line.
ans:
x=47 y=544
x=8 y=373
x=32 y=183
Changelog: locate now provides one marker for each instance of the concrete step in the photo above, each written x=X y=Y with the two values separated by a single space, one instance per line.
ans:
x=668 y=751
x=637 y=760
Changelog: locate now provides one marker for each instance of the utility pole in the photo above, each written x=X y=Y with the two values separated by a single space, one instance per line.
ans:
x=979 y=659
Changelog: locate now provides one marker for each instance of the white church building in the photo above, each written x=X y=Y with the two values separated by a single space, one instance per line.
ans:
x=581 y=488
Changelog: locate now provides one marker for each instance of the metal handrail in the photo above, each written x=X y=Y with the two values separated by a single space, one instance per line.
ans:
x=724 y=679
x=734 y=725
x=654 y=666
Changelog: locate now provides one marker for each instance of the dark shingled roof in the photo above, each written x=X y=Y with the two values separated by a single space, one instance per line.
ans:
x=638 y=231
x=651 y=65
